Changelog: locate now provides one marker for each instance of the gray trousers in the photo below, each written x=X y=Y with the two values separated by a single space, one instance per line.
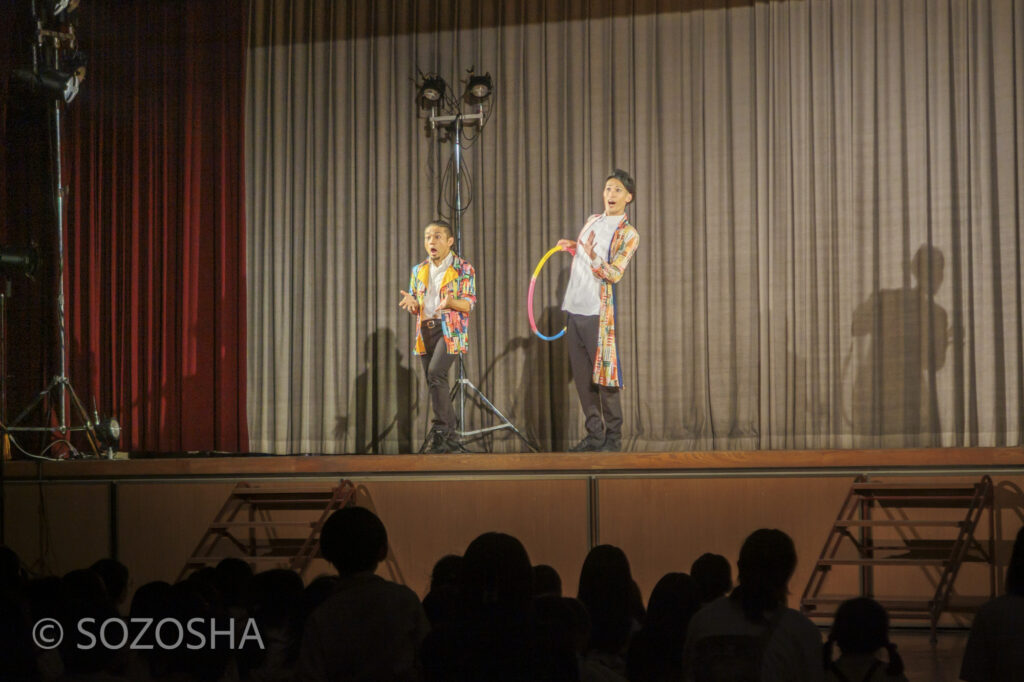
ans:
x=436 y=364
x=601 y=406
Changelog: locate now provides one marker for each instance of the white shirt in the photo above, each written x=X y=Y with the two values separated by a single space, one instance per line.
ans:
x=791 y=654
x=583 y=295
x=432 y=299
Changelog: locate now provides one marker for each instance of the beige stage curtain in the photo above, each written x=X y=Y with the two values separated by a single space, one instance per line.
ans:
x=829 y=202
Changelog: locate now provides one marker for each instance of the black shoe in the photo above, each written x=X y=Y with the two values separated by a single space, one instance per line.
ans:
x=612 y=444
x=437 y=442
x=588 y=444
x=452 y=444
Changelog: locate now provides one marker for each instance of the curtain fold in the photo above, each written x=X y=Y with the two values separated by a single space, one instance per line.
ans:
x=829 y=202
x=156 y=225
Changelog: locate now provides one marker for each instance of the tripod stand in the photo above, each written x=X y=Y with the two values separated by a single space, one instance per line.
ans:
x=59 y=395
x=463 y=385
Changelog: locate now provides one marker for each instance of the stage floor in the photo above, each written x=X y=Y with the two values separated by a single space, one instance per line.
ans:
x=932 y=461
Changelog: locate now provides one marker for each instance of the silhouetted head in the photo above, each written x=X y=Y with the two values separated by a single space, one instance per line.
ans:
x=11 y=575
x=149 y=600
x=606 y=589
x=927 y=267
x=86 y=598
x=546 y=581
x=188 y=600
x=1015 y=572
x=713 y=575
x=85 y=585
x=232 y=578
x=496 y=572
x=447 y=571
x=316 y=593
x=353 y=540
x=673 y=602
x=563 y=623
x=276 y=597
x=605 y=570
x=861 y=626
x=17 y=653
x=767 y=561
x=114 y=575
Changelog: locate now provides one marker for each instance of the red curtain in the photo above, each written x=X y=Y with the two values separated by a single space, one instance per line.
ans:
x=156 y=222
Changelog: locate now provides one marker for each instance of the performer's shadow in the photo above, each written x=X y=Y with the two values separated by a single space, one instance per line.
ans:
x=386 y=399
x=905 y=337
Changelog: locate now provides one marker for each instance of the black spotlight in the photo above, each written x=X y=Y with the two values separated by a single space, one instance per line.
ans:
x=48 y=82
x=432 y=91
x=59 y=8
x=53 y=7
x=479 y=88
x=108 y=432
x=18 y=260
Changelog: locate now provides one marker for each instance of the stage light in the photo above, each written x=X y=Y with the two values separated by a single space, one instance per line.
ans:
x=59 y=9
x=108 y=432
x=432 y=91
x=479 y=88
x=49 y=82
x=15 y=260
x=54 y=7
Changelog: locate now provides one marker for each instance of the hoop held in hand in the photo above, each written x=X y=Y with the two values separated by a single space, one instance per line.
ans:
x=529 y=295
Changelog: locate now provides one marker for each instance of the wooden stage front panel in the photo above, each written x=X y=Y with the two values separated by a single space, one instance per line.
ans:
x=663 y=509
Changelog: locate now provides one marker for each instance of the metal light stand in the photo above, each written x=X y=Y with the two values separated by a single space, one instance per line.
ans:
x=60 y=390
x=455 y=123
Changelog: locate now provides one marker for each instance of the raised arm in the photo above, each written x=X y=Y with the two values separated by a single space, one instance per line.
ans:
x=612 y=270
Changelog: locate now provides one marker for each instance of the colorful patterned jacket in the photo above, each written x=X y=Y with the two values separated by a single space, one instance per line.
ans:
x=459 y=282
x=610 y=270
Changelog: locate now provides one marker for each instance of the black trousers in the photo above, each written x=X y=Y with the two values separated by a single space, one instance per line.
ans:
x=436 y=364
x=601 y=405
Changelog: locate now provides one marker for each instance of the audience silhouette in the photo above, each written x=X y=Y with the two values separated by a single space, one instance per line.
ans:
x=713 y=575
x=546 y=581
x=607 y=590
x=656 y=651
x=493 y=616
x=752 y=635
x=995 y=647
x=442 y=601
x=369 y=628
x=495 y=635
x=861 y=628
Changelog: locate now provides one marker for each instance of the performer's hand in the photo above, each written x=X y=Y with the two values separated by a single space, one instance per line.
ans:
x=567 y=244
x=445 y=302
x=588 y=245
x=408 y=302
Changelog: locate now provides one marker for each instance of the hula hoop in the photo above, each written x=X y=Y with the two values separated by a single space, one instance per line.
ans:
x=529 y=295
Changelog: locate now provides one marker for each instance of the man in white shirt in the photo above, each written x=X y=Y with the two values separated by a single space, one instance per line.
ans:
x=601 y=253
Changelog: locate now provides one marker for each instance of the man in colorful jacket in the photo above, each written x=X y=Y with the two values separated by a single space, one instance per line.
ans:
x=442 y=292
x=600 y=256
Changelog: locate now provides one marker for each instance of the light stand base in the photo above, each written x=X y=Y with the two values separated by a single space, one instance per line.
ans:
x=60 y=387
x=463 y=386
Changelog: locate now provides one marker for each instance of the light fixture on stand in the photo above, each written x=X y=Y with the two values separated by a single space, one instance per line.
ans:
x=432 y=91
x=446 y=116
x=478 y=88
x=58 y=68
